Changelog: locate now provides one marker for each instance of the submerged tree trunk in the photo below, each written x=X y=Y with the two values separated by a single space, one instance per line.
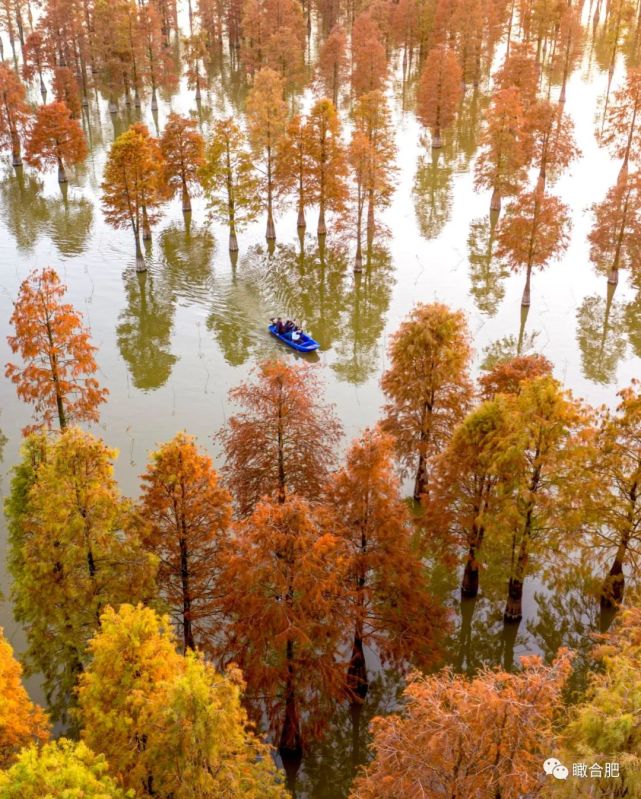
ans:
x=62 y=175
x=186 y=199
x=470 y=581
x=141 y=266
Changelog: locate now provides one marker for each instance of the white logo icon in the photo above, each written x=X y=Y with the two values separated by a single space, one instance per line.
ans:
x=555 y=768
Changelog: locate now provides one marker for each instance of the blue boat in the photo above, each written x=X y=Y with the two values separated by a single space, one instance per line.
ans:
x=304 y=344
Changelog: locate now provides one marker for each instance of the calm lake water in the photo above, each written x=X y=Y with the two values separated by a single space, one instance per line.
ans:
x=174 y=341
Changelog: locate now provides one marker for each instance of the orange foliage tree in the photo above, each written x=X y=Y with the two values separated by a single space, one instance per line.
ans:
x=507 y=375
x=372 y=118
x=65 y=89
x=183 y=151
x=293 y=164
x=520 y=70
x=327 y=161
x=35 y=60
x=616 y=232
x=284 y=608
x=439 y=91
x=266 y=123
x=466 y=481
x=187 y=513
x=534 y=230
x=485 y=737
x=369 y=60
x=332 y=62
x=501 y=165
x=427 y=386
x=389 y=608
x=131 y=186
x=13 y=112
x=284 y=440
x=21 y=722
x=274 y=37
x=55 y=139
x=58 y=375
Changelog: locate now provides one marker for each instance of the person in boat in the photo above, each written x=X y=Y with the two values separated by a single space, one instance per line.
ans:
x=290 y=326
x=296 y=334
x=280 y=326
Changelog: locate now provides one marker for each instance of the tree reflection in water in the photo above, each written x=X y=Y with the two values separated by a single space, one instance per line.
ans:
x=144 y=329
x=432 y=190
x=601 y=336
x=487 y=275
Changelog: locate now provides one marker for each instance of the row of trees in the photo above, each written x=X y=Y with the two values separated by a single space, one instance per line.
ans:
x=244 y=173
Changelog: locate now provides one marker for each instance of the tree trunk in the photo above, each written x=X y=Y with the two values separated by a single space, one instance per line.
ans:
x=141 y=266
x=322 y=227
x=290 y=743
x=371 y=226
x=514 y=605
x=470 y=581
x=233 y=241
x=357 y=681
x=270 y=232
x=62 y=175
x=437 y=142
x=495 y=202
x=525 y=299
x=613 y=585
x=186 y=200
x=188 y=635
x=420 y=483
x=146 y=230
x=300 y=222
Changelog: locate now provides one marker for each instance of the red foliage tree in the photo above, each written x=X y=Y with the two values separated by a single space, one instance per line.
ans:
x=183 y=151
x=327 y=162
x=389 y=608
x=439 y=91
x=534 y=231
x=55 y=139
x=58 y=376
x=187 y=514
x=285 y=610
x=332 y=62
x=284 y=440
x=13 y=112
x=369 y=59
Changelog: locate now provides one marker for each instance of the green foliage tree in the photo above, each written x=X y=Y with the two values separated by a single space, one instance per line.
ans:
x=62 y=769
x=73 y=549
x=228 y=178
